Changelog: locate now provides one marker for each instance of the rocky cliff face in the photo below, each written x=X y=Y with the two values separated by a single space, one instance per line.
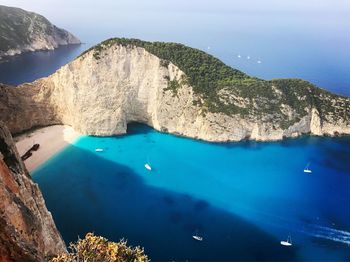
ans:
x=100 y=94
x=27 y=230
x=23 y=31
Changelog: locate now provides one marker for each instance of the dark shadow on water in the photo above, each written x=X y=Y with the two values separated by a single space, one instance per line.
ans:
x=335 y=154
x=97 y=195
x=135 y=128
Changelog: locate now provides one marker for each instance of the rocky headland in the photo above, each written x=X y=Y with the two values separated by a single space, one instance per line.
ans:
x=171 y=87
x=22 y=31
x=175 y=89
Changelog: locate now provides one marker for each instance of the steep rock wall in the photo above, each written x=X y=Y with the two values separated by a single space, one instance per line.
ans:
x=99 y=96
x=27 y=230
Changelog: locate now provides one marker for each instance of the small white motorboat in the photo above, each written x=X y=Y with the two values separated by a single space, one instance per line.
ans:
x=198 y=238
x=307 y=169
x=288 y=242
x=99 y=150
x=148 y=167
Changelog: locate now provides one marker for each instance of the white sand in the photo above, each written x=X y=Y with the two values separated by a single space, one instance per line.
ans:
x=52 y=139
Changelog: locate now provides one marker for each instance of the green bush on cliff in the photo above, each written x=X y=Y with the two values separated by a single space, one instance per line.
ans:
x=230 y=91
x=98 y=249
x=173 y=85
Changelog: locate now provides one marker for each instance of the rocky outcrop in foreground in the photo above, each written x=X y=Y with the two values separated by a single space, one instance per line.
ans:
x=121 y=81
x=27 y=230
x=23 y=31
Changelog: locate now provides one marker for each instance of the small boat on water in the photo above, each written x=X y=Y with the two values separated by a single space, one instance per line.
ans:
x=287 y=242
x=198 y=238
x=307 y=169
x=99 y=150
x=148 y=167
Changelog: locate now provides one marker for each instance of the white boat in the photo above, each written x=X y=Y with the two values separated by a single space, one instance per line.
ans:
x=148 y=167
x=99 y=150
x=287 y=242
x=307 y=169
x=196 y=237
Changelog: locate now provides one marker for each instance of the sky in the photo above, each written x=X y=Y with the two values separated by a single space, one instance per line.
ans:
x=294 y=38
x=77 y=14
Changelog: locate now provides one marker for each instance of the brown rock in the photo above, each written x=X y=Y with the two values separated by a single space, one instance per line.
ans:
x=27 y=230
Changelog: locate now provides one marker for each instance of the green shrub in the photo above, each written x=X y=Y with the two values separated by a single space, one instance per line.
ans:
x=208 y=76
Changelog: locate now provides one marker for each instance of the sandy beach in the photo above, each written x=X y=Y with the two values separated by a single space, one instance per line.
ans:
x=52 y=139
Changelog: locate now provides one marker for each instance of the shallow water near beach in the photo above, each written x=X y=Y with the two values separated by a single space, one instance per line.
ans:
x=242 y=198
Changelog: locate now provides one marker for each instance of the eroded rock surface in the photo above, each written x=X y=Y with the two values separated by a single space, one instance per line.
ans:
x=27 y=230
x=23 y=31
x=100 y=95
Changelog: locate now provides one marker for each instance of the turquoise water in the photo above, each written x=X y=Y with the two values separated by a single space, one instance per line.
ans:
x=243 y=198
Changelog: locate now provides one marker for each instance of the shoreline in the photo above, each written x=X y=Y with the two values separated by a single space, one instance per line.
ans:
x=5 y=57
x=52 y=139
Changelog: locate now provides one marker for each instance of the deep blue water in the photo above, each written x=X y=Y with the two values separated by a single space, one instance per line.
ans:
x=30 y=66
x=243 y=198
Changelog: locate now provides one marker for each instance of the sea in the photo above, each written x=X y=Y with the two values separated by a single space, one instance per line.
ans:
x=241 y=198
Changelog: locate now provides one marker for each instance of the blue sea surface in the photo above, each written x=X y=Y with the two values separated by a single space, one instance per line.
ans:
x=31 y=66
x=242 y=198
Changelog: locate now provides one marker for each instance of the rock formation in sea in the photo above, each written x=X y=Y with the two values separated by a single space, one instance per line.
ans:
x=27 y=230
x=175 y=89
x=23 y=31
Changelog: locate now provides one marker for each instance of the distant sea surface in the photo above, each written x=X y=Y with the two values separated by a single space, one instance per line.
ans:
x=30 y=66
x=276 y=44
x=242 y=198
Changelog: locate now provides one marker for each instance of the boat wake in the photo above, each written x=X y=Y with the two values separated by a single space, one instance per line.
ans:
x=340 y=236
x=310 y=229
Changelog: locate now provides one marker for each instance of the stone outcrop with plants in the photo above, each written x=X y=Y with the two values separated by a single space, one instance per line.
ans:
x=22 y=31
x=175 y=89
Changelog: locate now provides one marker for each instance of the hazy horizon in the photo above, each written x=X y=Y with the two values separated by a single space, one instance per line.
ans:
x=300 y=39
x=78 y=16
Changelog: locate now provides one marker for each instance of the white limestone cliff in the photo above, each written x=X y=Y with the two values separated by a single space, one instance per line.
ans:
x=128 y=84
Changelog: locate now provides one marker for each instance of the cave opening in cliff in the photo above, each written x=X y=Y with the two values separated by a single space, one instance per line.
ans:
x=134 y=128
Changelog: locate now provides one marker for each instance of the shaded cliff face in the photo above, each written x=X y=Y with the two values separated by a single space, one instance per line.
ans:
x=99 y=93
x=27 y=230
x=23 y=31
